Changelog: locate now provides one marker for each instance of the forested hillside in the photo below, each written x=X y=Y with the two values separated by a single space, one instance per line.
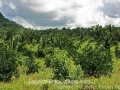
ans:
x=72 y=54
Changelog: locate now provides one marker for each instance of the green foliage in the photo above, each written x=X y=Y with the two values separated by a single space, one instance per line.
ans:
x=107 y=36
x=8 y=64
x=31 y=66
x=117 y=52
x=63 y=67
x=42 y=52
x=95 y=62
x=48 y=60
x=45 y=86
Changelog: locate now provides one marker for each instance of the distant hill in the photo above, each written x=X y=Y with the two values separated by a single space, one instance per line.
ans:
x=6 y=24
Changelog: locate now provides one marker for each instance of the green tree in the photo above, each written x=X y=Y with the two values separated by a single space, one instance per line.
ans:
x=8 y=64
x=95 y=62
x=63 y=67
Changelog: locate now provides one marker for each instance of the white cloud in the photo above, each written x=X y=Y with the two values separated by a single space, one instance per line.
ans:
x=27 y=24
x=114 y=21
x=22 y=21
x=62 y=13
x=0 y=3
x=12 y=6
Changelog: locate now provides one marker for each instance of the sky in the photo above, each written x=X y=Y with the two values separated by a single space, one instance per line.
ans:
x=43 y=14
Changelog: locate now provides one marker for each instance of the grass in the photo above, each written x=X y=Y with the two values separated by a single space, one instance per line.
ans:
x=31 y=82
x=41 y=80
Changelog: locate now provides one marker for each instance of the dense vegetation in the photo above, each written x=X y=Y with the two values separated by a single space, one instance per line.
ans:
x=61 y=49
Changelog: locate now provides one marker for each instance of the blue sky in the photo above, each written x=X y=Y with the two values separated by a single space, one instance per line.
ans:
x=42 y=14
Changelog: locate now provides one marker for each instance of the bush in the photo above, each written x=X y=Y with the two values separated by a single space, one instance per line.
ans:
x=117 y=52
x=8 y=64
x=95 y=62
x=63 y=67
x=48 y=60
x=31 y=66
x=45 y=51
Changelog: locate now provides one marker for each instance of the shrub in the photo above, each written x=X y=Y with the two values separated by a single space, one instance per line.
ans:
x=8 y=64
x=45 y=51
x=95 y=62
x=31 y=66
x=48 y=60
x=45 y=86
x=63 y=67
x=117 y=52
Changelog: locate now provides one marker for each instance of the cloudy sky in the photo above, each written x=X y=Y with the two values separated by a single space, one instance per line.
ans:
x=42 y=14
